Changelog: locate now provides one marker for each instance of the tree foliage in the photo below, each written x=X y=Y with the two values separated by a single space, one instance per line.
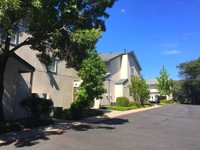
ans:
x=62 y=28
x=65 y=29
x=92 y=73
x=190 y=73
x=164 y=85
x=177 y=86
x=139 y=89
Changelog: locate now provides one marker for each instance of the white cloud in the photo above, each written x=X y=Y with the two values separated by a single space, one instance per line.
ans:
x=170 y=52
x=123 y=10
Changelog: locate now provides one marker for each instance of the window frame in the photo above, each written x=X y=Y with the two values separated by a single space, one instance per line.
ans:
x=132 y=71
x=14 y=41
x=54 y=65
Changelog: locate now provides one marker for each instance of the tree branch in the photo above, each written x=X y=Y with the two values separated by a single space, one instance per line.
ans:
x=25 y=42
x=1 y=48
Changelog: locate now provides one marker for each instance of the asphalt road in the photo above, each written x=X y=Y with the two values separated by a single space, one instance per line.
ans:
x=172 y=127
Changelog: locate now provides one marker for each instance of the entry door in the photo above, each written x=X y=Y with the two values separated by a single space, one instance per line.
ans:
x=22 y=92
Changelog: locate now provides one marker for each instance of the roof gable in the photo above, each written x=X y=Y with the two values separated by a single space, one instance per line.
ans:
x=151 y=81
x=110 y=56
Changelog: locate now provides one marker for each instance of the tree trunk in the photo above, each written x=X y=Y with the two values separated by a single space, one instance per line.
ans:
x=3 y=62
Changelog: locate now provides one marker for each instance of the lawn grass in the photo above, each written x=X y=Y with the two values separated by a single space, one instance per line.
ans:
x=120 y=108
x=163 y=102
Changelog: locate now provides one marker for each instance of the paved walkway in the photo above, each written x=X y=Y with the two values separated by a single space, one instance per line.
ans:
x=116 y=114
x=61 y=126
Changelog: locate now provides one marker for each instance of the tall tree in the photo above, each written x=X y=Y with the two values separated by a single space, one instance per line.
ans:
x=92 y=73
x=57 y=28
x=139 y=89
x=164 y=85
x=177 y=86
x=190 y=72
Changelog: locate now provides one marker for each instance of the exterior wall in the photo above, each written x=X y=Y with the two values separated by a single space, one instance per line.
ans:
x=118 y=90
x=112 y=67
x=124 y=67
x=16 y=88
x=59 y=86
x=133 y=64
x=120 y=68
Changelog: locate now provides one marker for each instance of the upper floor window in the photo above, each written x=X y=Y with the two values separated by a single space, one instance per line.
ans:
x=14 y=38
x=53 y=67
x=132 y=71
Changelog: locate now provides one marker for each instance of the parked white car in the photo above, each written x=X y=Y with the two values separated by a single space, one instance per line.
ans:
x=154 y=99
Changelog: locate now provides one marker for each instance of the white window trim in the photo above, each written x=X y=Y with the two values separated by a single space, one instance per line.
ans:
x=14 y=41
x=132 y=71
x=55 y=67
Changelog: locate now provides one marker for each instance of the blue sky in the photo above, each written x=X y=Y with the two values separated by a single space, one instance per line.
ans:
x=160 y=32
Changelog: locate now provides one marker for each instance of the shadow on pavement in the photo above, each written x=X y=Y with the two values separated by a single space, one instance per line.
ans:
x=106 y=124
x=30 y=137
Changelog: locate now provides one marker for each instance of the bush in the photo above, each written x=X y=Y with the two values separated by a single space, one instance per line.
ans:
x=66 y=114
x=122 y=101
x=167 y=102
x=77 y=108
x=134 y=103
x=37 y=106
x=120 y=108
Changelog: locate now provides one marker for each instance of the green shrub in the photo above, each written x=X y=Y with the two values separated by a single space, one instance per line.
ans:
x=86 y=113
x=122 y=101
x=37 y=106
x=77 y=108
x=66 y=114
x=134 y=103
x=148 y=104
x=167 y=102
x=120 y=108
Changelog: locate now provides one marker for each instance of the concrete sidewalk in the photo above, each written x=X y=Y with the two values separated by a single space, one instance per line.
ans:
x=60 y=127
x=115 y=114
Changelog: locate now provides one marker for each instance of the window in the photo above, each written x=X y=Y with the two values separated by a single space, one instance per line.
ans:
x=53 y=66
x=14 y=39
x=132 y=71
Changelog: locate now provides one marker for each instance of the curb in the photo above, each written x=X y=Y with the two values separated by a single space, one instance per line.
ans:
x=136 y=111
x=121 y=113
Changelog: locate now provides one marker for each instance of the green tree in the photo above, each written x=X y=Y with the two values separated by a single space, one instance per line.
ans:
x=164 y=85
x=56 y=28
x=144 y=92
x=190 y=73
x=139 y=89
x=92 y=73
x=177 y=86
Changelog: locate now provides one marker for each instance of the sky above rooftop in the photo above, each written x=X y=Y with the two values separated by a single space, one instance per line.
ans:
x=160 y=32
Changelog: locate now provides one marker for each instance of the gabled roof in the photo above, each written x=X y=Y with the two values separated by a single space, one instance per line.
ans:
x=136 y=60
x=121 y=81
x=110 y=56
x=30 y=68
x=151 y=81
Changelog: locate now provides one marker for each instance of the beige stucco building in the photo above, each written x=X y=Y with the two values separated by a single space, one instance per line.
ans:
x=120 y=67
x=26 y=75
x=154 y=93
